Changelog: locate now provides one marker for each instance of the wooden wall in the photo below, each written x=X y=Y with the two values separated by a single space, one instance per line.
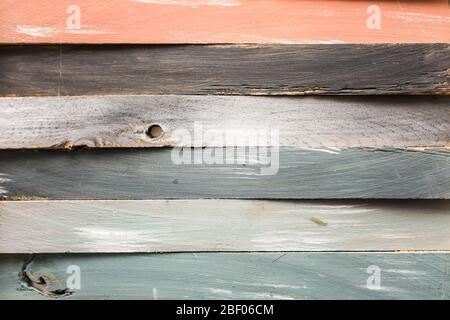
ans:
x=128 y=154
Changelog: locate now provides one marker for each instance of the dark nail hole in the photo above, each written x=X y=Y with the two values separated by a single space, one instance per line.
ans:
x=155 y=131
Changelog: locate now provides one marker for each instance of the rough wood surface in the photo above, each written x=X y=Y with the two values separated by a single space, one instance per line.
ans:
x=237 y=275
x=224 y=21
x=306 y=122
x=279 y=173
x=225 y=69
x=222 y=225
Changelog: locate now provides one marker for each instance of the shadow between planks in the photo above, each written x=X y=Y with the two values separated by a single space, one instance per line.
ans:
x=115 y=226
x=277 y=275
x=248 y=69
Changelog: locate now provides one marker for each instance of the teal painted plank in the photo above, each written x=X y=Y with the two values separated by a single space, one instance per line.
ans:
x=282 y=173
x=236 y=276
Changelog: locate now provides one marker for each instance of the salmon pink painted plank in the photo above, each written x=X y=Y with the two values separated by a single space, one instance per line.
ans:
x=224 y=21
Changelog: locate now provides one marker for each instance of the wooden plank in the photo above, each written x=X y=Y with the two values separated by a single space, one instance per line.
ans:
x=222 y=225
x=224 y=21
x=236 y=275
x=225 y=69
x=278 y=173
x=310 y=122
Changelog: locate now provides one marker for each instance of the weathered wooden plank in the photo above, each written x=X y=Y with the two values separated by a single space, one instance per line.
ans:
x=224 y=21
x=308 y=122
x=236 y=275
x=277 y=173
x=222 y=225
x=225 y=69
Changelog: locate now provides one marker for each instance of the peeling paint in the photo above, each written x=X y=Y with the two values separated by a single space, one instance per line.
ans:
x=40 y=284
x=417 y=17
x=3 y=179
x=39 y=31
x=193 y=3
x=36 y=31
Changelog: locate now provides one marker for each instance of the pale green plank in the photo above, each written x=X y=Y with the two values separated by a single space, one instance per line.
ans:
x=239 y=275
x=222 y=225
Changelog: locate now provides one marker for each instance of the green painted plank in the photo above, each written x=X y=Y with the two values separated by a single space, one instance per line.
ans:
x=283 y=69
x=278 y=173
x=222 y=225
x=307 y=122
x=235 y=276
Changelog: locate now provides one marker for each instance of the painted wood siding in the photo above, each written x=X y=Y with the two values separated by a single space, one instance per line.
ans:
x=263 y=173
x=115 y=226
x=122 y=126
x=224 y=21
x=236 y=275
x=308 y=122
x=225 y=69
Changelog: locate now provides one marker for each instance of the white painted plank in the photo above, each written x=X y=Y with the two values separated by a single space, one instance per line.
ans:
x=222 y=225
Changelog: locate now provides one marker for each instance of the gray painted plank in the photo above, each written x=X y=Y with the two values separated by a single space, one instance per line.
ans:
x=278 y=173
x=225 y=69
x=237 y=275
x=307 y=122
x=222 y=225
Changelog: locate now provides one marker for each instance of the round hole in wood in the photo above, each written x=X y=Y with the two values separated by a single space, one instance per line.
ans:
x=155 y=131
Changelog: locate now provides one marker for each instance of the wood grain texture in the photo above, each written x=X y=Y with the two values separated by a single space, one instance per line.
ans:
x=225 y=69
x=222 y=225
x=305 y=122
x=278 y=173
x=224 y=21
x=237 y=275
